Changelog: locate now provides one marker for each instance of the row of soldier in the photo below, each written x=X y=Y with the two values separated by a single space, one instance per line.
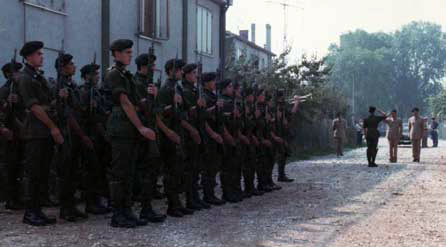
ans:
x=128 y=133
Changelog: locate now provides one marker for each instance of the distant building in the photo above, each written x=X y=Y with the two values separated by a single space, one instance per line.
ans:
x=240 y=45
x=188 y=28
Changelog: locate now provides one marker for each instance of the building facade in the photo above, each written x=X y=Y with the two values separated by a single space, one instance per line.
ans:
x=188 y=29
x=238 y=46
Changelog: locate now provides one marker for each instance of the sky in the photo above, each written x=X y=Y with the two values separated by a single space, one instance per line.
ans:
x=314 y=24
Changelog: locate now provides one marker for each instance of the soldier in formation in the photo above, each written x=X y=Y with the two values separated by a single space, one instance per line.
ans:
x=112 y=143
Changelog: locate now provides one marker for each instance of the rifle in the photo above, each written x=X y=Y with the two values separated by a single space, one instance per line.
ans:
x=150 y=98
x=61 y=104
x=91 y=110
x=201 y=124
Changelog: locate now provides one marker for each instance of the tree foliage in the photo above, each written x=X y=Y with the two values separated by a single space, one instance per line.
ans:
x=391 y=70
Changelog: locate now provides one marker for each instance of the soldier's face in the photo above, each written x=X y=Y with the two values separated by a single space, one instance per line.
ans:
x=144 y=70
x=70 y=69
x=394 y=114
x=261 y=98
x=192 y=76
x=229 y=90
x=35 y=59
x=178 y=74
x=94 y=78
x=250 y=98
x=124 y=56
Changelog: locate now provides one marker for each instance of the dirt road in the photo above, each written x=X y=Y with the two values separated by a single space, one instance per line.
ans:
x=334 y=202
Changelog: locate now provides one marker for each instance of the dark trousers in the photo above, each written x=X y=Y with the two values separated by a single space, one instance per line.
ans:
x=173 y=157
x=68 y=165
x=359 y=138
x=95 y=182
x=434 y=136
x=14 y=167
x=120 y=174
x=372 y=149
x=38 y=155
x=282 y=156
x=249 y=166
x=192 y=168
x=211 y=165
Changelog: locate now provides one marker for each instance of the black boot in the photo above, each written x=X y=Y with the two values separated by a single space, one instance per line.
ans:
x=148 y=214
x=185 y=211
x=66 y=213
x=117 y=199
x=282 y=175
x=131 y=216
x=120 y=220
x=256 y=192
x=32 y=217
x=173 y=208
x=94 y=206
x=209 y=196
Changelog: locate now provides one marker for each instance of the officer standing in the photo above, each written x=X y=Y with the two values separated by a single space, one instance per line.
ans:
x=416 y=133
x=339 y=126
x=37 y=132
x=13 y=111
x=372 y=134
x=434 y=132
x=394 y=133
x=124 y=127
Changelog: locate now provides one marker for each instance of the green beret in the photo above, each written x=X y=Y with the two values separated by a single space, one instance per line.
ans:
x=189 y=68
x=89 y=68
x=207 y=77
x=177 y=63
x=30 y=47
x=10 y=67
x=63 y=60
x=121 y=44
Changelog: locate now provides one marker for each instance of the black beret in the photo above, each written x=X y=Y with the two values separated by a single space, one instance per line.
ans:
x=259 y=91
x=64 y=60
x=177 y=63
x=142 y=60
x=415 y=109
x=89 y=68
x=10 y=67
x=30 y=47
x=372 y=109
x=280 y=93
x=189 y=68
x=121 y=44
x=248 y=91
x=210 y=76
x=224 y=83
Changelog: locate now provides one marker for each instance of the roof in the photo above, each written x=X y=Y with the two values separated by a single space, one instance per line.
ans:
x=219 y=2
x=249 y=43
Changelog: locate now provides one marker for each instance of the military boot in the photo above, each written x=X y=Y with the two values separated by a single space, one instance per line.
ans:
x=148 y=214
x=172 y=206
x=209 y=196
x=95 y=206
x=282 y=175
x=117 y=199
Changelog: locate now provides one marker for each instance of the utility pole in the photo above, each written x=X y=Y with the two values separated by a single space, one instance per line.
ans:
x=285 y=5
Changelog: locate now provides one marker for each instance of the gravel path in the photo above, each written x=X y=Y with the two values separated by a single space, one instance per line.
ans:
x=334 y=202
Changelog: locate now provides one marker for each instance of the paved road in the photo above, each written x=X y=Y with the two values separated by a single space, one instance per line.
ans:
x=334 y=202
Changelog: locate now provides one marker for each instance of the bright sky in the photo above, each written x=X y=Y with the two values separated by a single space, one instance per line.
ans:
x=314 y=24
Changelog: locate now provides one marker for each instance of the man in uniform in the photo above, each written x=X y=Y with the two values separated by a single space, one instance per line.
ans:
x=416 y=133
x=272 y=130
x=338 y=127
x=13 y=111
x=434 y=132
x=76 y=138
x=194 y=105
x=94 y=116
x=284 y=116
x=171 y=120
x=38 y=130
x=124 y=127
x=372 y=134
x=149 y=158
x=214 y=141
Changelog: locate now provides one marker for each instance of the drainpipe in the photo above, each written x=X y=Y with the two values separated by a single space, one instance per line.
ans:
x=185 y=29
x=105 y=35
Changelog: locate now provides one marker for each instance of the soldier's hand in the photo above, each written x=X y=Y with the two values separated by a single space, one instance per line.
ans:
x=255 y=141
x=258 y=113
x=57 y=136
x=217 y=138
x=63 y=93
x=237 y=113
x=220 y=103
x=296 y=100
x=152 y=90
x=245 y=140
x=87 y=142
x=196 y=136
x=174 y=137
x=177 y=99
x=7 y=133
x=13 y=98
x=147 y=133
x=201 y=103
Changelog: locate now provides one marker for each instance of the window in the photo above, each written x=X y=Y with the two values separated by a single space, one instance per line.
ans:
x=57 y=5
x=154 y=21
x=204 y=30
